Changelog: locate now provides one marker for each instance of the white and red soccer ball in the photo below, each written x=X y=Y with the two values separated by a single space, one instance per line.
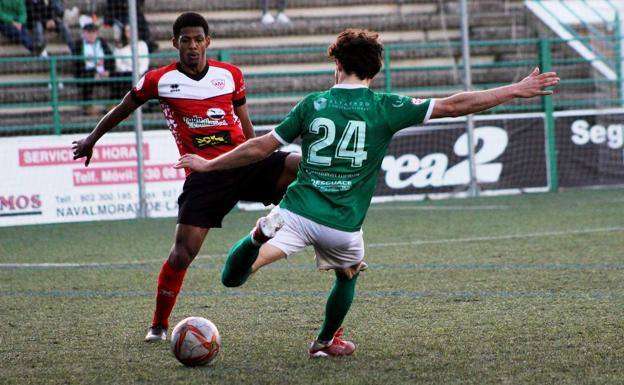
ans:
x=195 y=341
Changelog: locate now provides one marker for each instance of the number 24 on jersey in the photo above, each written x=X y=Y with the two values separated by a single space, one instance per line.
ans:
x=350 y=145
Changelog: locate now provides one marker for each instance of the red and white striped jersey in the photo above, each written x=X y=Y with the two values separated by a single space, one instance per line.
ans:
x=199 y=109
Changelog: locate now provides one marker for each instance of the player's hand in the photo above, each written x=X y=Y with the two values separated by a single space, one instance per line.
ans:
x=83 y=148
x=193 y=162
x=534 y=84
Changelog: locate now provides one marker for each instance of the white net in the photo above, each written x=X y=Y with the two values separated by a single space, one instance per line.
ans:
x=510 y=154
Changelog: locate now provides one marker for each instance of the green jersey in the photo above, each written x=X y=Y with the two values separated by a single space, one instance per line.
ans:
x=345 y=132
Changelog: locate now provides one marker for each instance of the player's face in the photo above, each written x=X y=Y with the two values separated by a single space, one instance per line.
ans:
x=90 y=36
x=192 y=44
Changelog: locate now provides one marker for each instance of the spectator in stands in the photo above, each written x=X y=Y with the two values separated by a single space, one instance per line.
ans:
x=47 y=14
x=12 y=20
x=123 y=63
x=116 y=15
x=96 y=64
x=281 y=17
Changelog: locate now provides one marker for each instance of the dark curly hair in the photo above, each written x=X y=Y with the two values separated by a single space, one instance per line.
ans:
x=190 y=19
x=358 y=51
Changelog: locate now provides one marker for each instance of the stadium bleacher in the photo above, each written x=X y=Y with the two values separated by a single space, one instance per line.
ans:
x=274 y=78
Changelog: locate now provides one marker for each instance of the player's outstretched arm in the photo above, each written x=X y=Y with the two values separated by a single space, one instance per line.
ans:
x=465 y=103
x=84 y=147
x=249 y=152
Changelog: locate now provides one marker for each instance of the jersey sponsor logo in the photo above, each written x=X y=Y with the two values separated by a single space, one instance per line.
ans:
x=219 y=83
x=398 y=103
x=353 y=105
x=432 y=170
x=215 y=114
x=417 y=102
x=332 y=185
x=211 y=140
x=320 y=104
x=199 y=122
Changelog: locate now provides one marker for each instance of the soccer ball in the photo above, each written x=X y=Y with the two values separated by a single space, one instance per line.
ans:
x=195 y=341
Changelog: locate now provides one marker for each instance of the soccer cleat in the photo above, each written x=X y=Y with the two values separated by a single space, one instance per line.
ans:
x=70 y=16
x=155 y=334
x=282 y=18
x=267 y=19
x=337 y=347
x=267 y=227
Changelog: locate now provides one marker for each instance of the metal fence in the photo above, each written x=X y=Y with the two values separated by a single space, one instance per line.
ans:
x=50 y=102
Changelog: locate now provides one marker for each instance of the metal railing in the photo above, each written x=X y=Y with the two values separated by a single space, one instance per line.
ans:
x=53 y=120
x=593 y=33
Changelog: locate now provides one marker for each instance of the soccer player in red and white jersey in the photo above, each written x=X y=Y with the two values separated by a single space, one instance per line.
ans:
x=204 y=104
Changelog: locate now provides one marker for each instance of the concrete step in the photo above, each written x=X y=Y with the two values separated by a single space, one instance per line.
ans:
x=378 y=21
x=388 y=36
x=296 y=13
x=381 y=18
x=288 y=84
x=261 y=70
x=224 y=5
x=221 y=5
x=249 y=56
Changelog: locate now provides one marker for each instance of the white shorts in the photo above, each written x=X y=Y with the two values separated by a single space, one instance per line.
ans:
x=334 y=249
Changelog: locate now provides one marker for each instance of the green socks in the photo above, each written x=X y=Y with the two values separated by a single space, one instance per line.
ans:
x=239 y=261
x=237 y=270
x=337 y=307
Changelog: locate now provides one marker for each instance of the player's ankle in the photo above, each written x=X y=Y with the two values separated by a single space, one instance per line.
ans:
x=266 y=228
x=319 y=344
x=256 y=238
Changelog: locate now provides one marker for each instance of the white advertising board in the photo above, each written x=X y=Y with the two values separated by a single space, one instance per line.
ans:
x=41 y=183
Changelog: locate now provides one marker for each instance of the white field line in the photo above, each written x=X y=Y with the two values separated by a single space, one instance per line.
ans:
x=442 y=208
x=417 y=242
x=499 y=237
x=52 y=265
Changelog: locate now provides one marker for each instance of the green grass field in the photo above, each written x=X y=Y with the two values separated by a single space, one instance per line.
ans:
x=522 y=289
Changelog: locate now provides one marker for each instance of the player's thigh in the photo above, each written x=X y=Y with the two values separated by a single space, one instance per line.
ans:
x=207 y=198
x=337 y=250
x=290 y=239
x=260 y=181
x=267 y=255
x=188 y=242
x=289 y=173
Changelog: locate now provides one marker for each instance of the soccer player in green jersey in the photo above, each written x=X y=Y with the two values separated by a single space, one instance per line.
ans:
x=345 y=132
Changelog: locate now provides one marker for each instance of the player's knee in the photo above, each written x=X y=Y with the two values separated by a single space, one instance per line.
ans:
x=181 y=256
x=292 y=164
x=346 y=274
